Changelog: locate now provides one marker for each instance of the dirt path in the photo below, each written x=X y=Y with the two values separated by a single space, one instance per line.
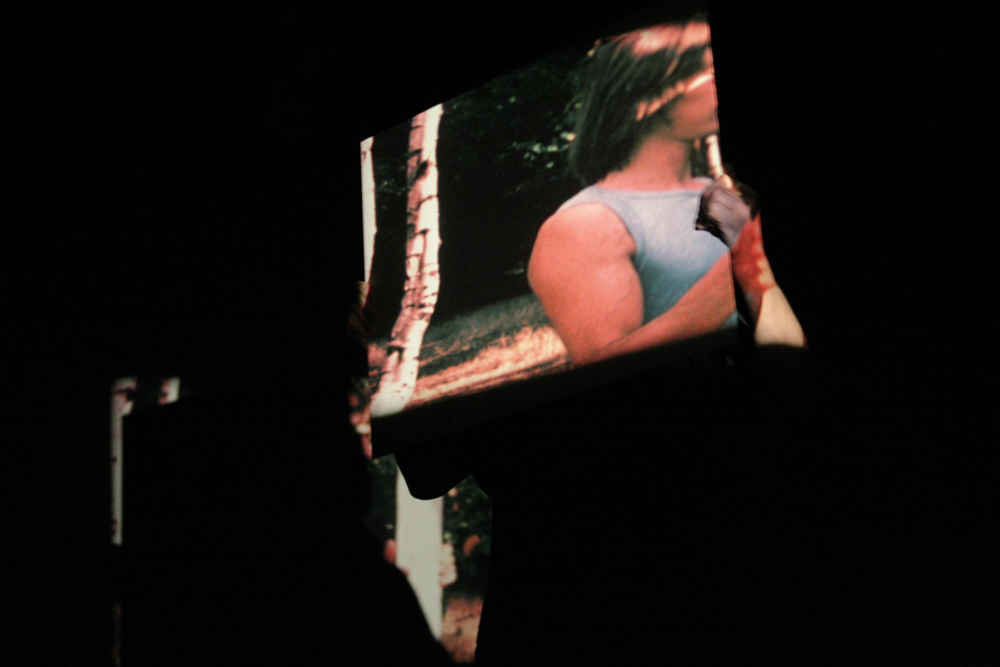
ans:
x=529 y=353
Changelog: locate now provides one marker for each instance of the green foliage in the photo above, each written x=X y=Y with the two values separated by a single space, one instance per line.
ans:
x=380 y=519
x=515 y=128
x=467 y=523
x=501 y=154
x=389 y=168
x=468 y=516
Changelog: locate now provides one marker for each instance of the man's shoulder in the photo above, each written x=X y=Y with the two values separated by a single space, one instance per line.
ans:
x=588 y=222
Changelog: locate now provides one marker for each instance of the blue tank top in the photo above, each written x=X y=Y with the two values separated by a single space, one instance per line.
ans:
x=671 y=255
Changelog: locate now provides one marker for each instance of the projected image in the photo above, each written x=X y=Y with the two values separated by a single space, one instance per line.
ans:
x=551 y=219
x=443 y=548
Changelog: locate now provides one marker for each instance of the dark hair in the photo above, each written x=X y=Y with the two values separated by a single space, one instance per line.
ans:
x=615 y=81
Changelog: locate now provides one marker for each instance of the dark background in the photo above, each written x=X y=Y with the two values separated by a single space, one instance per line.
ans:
x=182 y=198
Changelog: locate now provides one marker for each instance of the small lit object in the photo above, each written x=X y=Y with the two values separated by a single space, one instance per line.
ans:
x=715 y=160
x=170 y=390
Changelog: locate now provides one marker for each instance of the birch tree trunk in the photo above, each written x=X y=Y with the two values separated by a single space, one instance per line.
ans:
x=361 y=397
x=419 y=523
x=368 y=204
x=399 y=373
x=419 y=536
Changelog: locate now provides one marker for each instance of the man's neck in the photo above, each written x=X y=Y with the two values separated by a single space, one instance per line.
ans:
x=661 y=163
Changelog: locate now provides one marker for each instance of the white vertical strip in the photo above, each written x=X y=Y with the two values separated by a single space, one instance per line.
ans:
x=120 y=406
x=419 y=536
x=368 y=204
x=423 y=275
x=715 y=160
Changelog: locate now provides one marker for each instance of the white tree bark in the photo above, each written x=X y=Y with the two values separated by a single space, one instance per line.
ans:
x=419 y=535
x=368 y=204
x=361 y=417
x=399 y=373
x=419 y=523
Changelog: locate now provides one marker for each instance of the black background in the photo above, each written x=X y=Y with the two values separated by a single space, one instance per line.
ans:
x=182 y=197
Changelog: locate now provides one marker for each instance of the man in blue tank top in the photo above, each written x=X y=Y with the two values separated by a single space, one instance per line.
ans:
x=599 y=527
x=621 y=267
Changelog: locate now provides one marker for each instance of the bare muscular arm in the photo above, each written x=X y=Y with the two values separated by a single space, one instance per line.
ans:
x=581 y=270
